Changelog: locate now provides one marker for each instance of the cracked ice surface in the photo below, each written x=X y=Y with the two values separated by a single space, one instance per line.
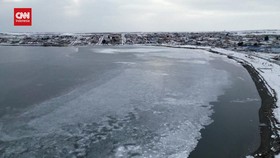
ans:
x=154 y=107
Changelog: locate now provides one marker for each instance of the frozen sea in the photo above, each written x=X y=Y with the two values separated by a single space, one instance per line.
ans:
x=121 y=102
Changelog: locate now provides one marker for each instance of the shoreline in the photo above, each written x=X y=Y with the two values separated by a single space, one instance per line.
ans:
x=270 y=141
x=266 y=117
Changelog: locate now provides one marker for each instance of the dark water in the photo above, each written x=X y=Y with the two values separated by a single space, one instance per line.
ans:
x=124 y=102
x=233 y=132
x=30 y=75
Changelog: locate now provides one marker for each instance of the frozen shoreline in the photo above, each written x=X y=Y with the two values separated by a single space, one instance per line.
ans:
x=265 y=75
x=145 y=103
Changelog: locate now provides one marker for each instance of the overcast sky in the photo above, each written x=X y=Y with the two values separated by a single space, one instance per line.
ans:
x=143 y=15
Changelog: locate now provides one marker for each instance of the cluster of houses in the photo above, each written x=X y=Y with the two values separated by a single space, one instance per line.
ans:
x=248 y=41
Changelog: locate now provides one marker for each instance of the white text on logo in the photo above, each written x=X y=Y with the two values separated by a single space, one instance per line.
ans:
x=23 y=15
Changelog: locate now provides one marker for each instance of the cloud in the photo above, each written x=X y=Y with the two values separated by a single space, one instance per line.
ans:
x=7 y=1
x=143 y=15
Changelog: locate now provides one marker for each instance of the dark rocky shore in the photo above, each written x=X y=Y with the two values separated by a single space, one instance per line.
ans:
x=270 y=142
x=269 y=145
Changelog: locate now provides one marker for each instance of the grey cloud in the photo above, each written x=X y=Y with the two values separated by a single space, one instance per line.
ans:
x=142 y=15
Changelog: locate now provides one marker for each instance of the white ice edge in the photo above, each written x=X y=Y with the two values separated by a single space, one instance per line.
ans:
x=268 y=71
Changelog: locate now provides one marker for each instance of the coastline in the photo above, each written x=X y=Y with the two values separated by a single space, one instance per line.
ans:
x=265 y=115
x=269 y=125
x=270 y=141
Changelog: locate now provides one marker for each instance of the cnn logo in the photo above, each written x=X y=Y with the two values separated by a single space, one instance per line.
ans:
x=22 y=16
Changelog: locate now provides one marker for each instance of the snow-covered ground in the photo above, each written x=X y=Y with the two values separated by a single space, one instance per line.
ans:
x=259 y=32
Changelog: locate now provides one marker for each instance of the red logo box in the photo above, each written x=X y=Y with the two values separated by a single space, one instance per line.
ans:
x=22 y=16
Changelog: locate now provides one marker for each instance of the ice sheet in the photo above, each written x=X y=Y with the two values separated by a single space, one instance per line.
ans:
x=154 y=108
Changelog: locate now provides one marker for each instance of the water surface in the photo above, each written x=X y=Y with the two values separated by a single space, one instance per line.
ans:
x=124 y=102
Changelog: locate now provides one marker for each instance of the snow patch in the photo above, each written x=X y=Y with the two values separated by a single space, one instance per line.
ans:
x=277 y=156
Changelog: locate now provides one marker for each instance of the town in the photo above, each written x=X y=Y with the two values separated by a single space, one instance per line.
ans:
x=256 y=41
